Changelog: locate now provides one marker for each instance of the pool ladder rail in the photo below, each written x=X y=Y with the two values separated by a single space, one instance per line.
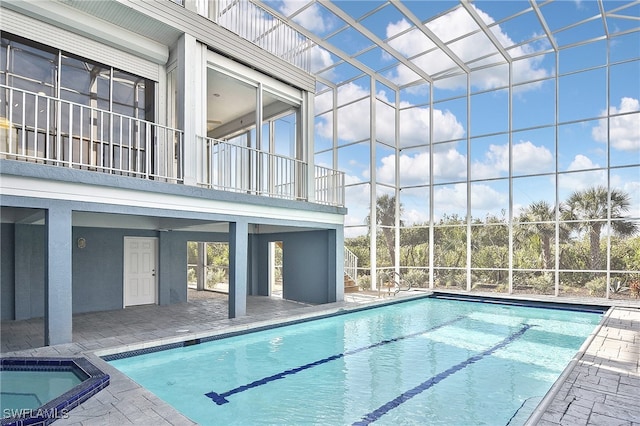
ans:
x=396 y=282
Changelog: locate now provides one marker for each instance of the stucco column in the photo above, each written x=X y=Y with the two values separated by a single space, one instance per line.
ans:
x=189 y=102
x=238 y=264
x=58 y=306
x=336 y=264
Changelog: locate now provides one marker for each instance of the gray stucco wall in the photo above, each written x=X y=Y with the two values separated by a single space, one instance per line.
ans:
x=306 y=277
x=304 y=264
x=97 y=269
x=29 y=272
x=7 y=260
x=172 y=262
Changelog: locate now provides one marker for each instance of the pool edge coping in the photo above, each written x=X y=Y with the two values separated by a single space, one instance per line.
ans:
x=185 y=339
x=551 y=394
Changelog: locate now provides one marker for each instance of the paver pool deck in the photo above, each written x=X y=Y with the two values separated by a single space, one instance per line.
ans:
x=601 y=386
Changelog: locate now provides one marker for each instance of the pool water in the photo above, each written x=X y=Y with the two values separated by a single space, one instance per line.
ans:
x=426 y=361
x=28 y=390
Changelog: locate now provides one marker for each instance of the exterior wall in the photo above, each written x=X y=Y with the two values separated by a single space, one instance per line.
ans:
x=308 y=262
x=29 y=257
x=7 y=279
x=98 y=268
x=172 y=262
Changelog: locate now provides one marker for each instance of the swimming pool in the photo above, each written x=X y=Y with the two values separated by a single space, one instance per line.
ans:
x=427 y=361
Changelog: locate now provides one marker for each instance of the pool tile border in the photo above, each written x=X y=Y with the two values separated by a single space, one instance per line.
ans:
x=113 y=354
x=94 y=381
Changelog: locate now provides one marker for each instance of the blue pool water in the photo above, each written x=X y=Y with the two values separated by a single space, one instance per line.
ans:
x=426 y=361
x=28 y=390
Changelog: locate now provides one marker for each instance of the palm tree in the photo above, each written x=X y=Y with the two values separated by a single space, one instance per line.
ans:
x=587 y=210
x=386 y=218
x=538 y=221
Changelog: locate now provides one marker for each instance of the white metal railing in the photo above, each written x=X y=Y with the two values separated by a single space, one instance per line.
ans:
x=329 y=186
x=237 y=168
x=44 y=129
x=260 y=27
x=351 y=265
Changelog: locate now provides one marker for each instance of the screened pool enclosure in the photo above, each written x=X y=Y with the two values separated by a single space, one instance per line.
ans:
x=487 y=145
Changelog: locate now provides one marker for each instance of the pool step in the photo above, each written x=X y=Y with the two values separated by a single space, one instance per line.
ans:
x=350 y=285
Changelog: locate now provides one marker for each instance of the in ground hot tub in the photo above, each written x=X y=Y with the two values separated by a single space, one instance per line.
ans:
x=42 y=390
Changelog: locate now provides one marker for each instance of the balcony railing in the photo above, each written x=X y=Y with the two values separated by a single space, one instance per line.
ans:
x=260 y=27
x=329 y=186
x=43 y=129
x=47 y=130
x=351 y=265
x=237 y=168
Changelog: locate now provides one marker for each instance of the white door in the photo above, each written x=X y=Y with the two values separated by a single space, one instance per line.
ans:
x=140 y=258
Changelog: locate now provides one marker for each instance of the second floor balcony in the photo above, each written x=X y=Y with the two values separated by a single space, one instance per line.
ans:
x=52 y=131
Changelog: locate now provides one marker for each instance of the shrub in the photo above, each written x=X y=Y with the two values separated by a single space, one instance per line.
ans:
x=542 y=284
x=364 y=281
x=416 y=278
x=634 y=287
x=597 y=286
x=215 y=276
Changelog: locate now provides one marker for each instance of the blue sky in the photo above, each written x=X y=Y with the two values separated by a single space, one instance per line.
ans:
x=578 y=71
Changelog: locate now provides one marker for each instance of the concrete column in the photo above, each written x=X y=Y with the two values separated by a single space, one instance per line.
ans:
x=238 y=264
x=336 y=264
x=189 y=103
x=202 y=256
x=306 y=143
x=58 y=304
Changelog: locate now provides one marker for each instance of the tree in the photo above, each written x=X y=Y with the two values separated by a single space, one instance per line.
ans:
x=538 y=222
x=386 y=219
x=414 y=248
x=587 y=211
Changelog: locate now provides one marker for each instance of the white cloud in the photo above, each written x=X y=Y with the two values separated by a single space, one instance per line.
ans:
x=527 y=158
x=484 y=197
x=448 y=164
x=633 y=189
x=413 y=216
x=581 y=162
x=315 y=21
x=625 y=129
x=353 y=120
x=311 y=18
x=320 y=59
x=577 y=181
x=414 y=125
x=449 y=27
x=357 y=203
x=451 y=198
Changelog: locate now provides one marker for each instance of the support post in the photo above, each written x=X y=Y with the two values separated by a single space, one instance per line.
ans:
x=238 y=264
x=58 y=304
